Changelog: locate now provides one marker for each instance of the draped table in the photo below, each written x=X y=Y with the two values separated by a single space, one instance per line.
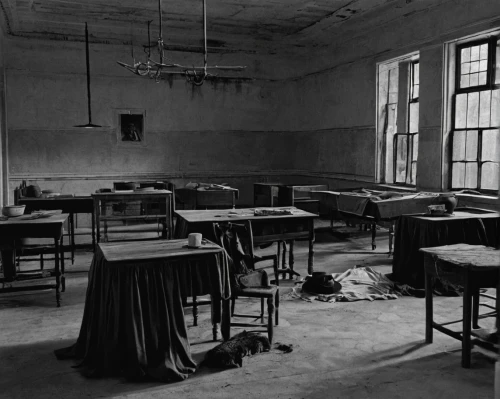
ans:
x=468 y=226
x=133 y=322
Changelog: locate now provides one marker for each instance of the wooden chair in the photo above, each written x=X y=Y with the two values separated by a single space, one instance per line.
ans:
x=237 y=240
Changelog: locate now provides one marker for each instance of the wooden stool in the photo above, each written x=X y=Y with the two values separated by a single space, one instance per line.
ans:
x=471 y=266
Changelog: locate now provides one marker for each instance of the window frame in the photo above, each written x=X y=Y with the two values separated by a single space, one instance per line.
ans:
x=488 y=86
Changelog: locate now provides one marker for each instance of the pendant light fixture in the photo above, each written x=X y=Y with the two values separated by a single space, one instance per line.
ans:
x=88 y=125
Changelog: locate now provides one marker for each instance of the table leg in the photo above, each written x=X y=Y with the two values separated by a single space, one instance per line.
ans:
x=9 y=264
x=475 y=309
x=195 y=311
x=497 y=364
x=72 y=236
x=58 y=276
x=225 y=324
x=291 y=259
x=93 y=231
x=374 y=236
x=310 y=259
x=467 y=315
x=97 y=220
x=428 y=308
x=63 y=278
x=391 y=236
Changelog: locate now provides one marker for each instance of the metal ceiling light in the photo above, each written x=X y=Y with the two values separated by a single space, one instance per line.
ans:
x=89 y=125
x=194 y=74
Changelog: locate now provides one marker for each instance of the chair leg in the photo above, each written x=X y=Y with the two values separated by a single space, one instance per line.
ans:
x=262 y=310
x=277 y=302
x=233 y=303
x=475 y=309
x=270 y=323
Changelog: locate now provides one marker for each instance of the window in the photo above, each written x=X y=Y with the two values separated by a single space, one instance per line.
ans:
x=397 y=127
x=474 y=152
x=406 y=144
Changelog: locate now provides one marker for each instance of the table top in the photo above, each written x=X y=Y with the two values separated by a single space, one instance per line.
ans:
x=478 y=257
x=227 y=215
x=131 y=193
x=57 y=198
x=26 y=226
x=158 y=249
x=462 y=214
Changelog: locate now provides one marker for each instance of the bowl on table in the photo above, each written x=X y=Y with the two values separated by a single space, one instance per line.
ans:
x=13 y=210
x=437 y=210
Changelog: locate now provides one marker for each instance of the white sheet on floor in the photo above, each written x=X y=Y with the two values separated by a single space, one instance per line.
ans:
x=358 y=283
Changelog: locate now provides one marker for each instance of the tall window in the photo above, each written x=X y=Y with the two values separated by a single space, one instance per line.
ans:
x=398 y=101
x=475 y=156
x=406 y=144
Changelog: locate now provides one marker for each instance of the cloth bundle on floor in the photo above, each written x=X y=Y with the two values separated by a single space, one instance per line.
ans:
x=231 y=352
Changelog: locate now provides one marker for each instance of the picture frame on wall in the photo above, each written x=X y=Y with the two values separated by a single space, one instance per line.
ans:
x=131 y=127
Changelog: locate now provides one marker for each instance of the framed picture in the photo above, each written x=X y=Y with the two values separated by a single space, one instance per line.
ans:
x=131 y=126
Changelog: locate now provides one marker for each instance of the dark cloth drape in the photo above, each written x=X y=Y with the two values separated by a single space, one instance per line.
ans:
x=413 y=233
x=133 y=322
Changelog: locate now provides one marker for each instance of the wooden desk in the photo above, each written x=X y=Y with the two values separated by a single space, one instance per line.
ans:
x=469 y=226
x=360 y=208
x=25 y=227
x=121 y=199
x=201 y=198
x=471 y=266
x=266 y=229
x=133 y=321
x=71 y=205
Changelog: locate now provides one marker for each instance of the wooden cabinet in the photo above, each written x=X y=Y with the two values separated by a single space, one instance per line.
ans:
x=133 y=206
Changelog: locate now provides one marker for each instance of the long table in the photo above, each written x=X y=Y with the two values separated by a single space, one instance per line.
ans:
x=299 y=225
x=67 y=204
x=367 y=208
x=133 y=321
x=467 y=226
x=16 y=228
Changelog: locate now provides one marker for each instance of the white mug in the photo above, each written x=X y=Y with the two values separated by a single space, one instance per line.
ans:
x=194 y=240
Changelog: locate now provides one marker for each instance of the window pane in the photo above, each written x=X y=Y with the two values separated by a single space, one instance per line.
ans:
x=489 y=176
x=474 y=79
x=458 y=146
x=490 y=150
x=413 y=175
x=483 y=65
x=416 y=91
x=495 y=108
x=460 y=111
x=483 y=52
x=464 y=81
x=474 y=53
x=482 y=78
x=497 y=64
x=471 y=145
x=413 y=123
x=458 y=175
x=465 y=56
x=465 y=68
x=416 y=70
x=401 y=151
x=471 y=175
x=474 y=67
x=415 y=147
x=472 y=109
x=484 y=108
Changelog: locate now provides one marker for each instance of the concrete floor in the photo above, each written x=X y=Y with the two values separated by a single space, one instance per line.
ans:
x=342 y=350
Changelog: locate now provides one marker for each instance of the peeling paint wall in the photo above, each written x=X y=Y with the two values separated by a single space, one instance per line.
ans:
x=337 y=96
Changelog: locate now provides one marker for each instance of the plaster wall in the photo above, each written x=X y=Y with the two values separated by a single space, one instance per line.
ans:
x=220 y=130
x=335 y=126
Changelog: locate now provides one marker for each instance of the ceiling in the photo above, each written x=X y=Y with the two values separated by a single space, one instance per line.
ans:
x=254 y=26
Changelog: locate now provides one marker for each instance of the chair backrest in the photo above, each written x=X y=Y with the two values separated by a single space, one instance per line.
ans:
x=215 y=199
x=237 y=240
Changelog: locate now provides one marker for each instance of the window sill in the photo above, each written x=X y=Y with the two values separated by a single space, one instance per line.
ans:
x=489 y=201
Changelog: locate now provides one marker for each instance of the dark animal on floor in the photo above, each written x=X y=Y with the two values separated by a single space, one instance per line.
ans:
x=231 y=352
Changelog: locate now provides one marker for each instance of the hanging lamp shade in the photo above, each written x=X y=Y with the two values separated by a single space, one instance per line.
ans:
x=88 y=125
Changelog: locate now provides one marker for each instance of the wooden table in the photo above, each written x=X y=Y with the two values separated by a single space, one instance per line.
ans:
x=360 y=208
x=71 y=205
x=121 y=199
x=471 y=266
x=25 y=226
x=206 y=198
x=266 y=229
x=467 y=225
x=133 y=320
